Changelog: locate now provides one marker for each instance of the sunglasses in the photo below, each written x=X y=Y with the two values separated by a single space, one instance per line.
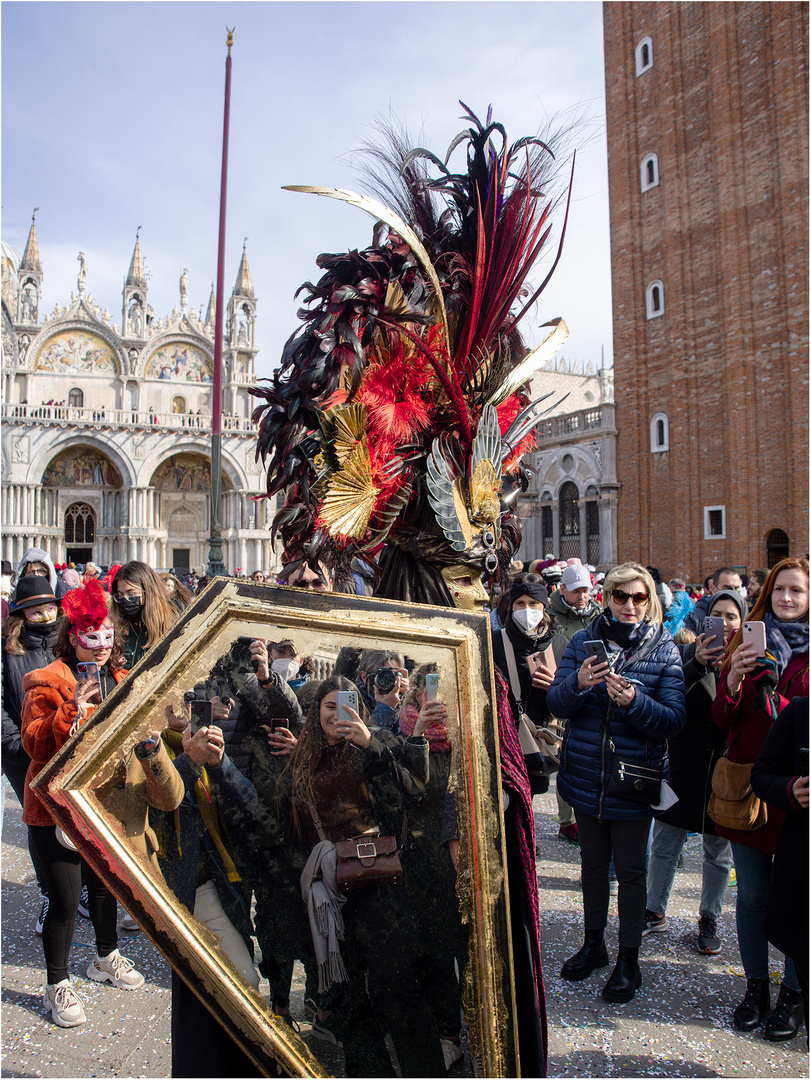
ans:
x=620 y=597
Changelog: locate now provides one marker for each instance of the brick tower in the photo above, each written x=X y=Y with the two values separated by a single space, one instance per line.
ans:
x=707 y=119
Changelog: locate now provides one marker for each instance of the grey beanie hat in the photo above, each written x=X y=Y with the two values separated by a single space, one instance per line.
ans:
x=728 y=594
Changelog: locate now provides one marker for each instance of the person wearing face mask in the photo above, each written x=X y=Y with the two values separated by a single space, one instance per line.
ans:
x=622 y=698
x=27 y=635
x=57 y=702
x=142 y=611
x=694 y=753
x=37 y=561
x=752 y=692
x=528 y=628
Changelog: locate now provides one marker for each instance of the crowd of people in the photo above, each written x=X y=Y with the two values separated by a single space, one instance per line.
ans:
x=654 y=705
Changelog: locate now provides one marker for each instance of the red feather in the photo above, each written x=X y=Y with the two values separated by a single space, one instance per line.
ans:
x=86 y=608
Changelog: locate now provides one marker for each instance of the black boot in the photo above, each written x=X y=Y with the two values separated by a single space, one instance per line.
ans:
x=591 y=956
x=754 y=1006
x=784 y=1023
x=626 y=978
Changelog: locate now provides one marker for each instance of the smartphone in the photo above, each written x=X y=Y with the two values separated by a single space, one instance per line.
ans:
x=277 y=722
x=346 y=698
x=88 y=670
x=714 y=632
x=598 y=649
x=546 y=658
x=431 y=685
x=754 y=633
x=200 y=714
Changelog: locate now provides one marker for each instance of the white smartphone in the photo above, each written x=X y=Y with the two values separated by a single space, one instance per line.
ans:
x=431 y=685
x=344 y=699
x=547 y=658
x=754 y=633
x=714 y=632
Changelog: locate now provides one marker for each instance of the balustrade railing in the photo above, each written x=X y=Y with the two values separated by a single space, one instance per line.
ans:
x=123 y=418
x=584 y=421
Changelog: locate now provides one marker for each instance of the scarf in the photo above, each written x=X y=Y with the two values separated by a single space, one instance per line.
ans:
x=515 y=781
x=785 y=640
x=626 y=635
x=319 y=889
x=173 y=741
x=436 y=734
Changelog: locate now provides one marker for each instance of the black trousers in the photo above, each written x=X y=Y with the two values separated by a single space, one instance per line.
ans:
x=63 y=877
x=626 y=842
x=15 y=771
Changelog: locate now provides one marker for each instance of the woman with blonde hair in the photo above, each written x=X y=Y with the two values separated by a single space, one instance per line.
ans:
x=752 y=691
x=620 y=686
x=142 y=610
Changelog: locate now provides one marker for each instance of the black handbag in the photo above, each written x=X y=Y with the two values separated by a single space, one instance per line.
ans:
x=636 y=781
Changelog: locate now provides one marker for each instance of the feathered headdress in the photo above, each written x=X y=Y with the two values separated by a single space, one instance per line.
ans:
x=400 y=407
x=86 y=607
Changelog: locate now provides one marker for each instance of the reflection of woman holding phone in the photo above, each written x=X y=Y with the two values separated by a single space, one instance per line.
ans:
x=357 y=782
x=623 y=708
x=751 y=692
x=56 y=705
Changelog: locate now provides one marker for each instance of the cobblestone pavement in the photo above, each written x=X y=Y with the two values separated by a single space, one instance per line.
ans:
x=677 y=1025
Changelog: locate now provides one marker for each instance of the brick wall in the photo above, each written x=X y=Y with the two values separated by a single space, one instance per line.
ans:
x=725 y=108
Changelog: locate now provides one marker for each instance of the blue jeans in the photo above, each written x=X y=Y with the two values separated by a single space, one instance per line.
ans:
x=668 y=841
x=754 y=870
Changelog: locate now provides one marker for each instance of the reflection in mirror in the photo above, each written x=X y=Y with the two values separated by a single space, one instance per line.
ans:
x=359 y=947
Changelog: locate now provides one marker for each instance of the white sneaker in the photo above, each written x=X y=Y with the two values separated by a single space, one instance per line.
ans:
x=116 y=969
x=451 y=1051
x=62 y=1000
x=126 y=922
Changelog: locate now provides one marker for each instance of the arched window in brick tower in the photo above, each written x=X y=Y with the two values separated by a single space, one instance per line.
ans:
x=655 y=300
x=569 y=521
x=776 y=547
x=644 y=56
x=649 y=172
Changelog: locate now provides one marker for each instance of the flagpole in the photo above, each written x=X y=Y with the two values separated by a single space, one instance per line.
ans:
x=216 y=566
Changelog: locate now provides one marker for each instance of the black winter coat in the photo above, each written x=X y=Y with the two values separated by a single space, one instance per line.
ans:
x=37 y=655
x=782 y=760
x=638 y=731
x=695 y=750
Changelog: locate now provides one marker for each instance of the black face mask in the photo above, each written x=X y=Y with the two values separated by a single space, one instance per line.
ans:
x=40 y=629
x=131 y=606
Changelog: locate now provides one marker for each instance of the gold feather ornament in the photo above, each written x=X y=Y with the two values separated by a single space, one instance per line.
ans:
x=351 y=497
x=348 y=428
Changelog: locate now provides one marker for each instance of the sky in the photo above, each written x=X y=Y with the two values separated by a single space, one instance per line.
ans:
x=112 y=118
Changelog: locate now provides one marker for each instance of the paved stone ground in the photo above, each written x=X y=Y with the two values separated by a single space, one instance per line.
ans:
x=677 y=1025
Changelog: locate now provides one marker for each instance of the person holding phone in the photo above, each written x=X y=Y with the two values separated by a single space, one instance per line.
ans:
x=57 y=702
x=536 y=648
x=358 y=782
x=623 y=697
x=693 y=755
x=752 y=691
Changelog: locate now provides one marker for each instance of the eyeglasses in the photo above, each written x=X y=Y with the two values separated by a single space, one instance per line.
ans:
x=134 y=594
x=317 y=585
x=620 y=597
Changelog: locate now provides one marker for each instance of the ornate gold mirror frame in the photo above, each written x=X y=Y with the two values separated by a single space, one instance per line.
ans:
x=319 y=622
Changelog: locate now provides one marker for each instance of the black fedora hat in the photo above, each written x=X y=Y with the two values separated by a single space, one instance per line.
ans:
x=33 y=590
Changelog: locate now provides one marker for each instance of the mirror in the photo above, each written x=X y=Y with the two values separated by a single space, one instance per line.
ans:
x=268 y=843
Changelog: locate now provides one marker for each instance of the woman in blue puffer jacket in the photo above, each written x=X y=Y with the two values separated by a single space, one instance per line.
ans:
x=627 y=707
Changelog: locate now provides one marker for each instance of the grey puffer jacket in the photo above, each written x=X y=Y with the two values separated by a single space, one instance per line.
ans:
x=638 y=732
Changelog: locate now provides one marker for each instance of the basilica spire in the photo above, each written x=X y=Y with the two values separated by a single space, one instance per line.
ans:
x=211 y=310
x=136 y=278
x=30 y=260
x=243 y=285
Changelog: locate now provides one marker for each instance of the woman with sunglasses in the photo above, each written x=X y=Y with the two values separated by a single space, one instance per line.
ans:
x=142 y=610
x=58 y=700
x=623 y=698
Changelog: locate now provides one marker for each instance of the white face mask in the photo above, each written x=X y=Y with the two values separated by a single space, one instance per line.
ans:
x=528 y=618
x=286 y=668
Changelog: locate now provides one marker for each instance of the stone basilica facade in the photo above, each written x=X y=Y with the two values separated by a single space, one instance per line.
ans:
x=106 y=431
